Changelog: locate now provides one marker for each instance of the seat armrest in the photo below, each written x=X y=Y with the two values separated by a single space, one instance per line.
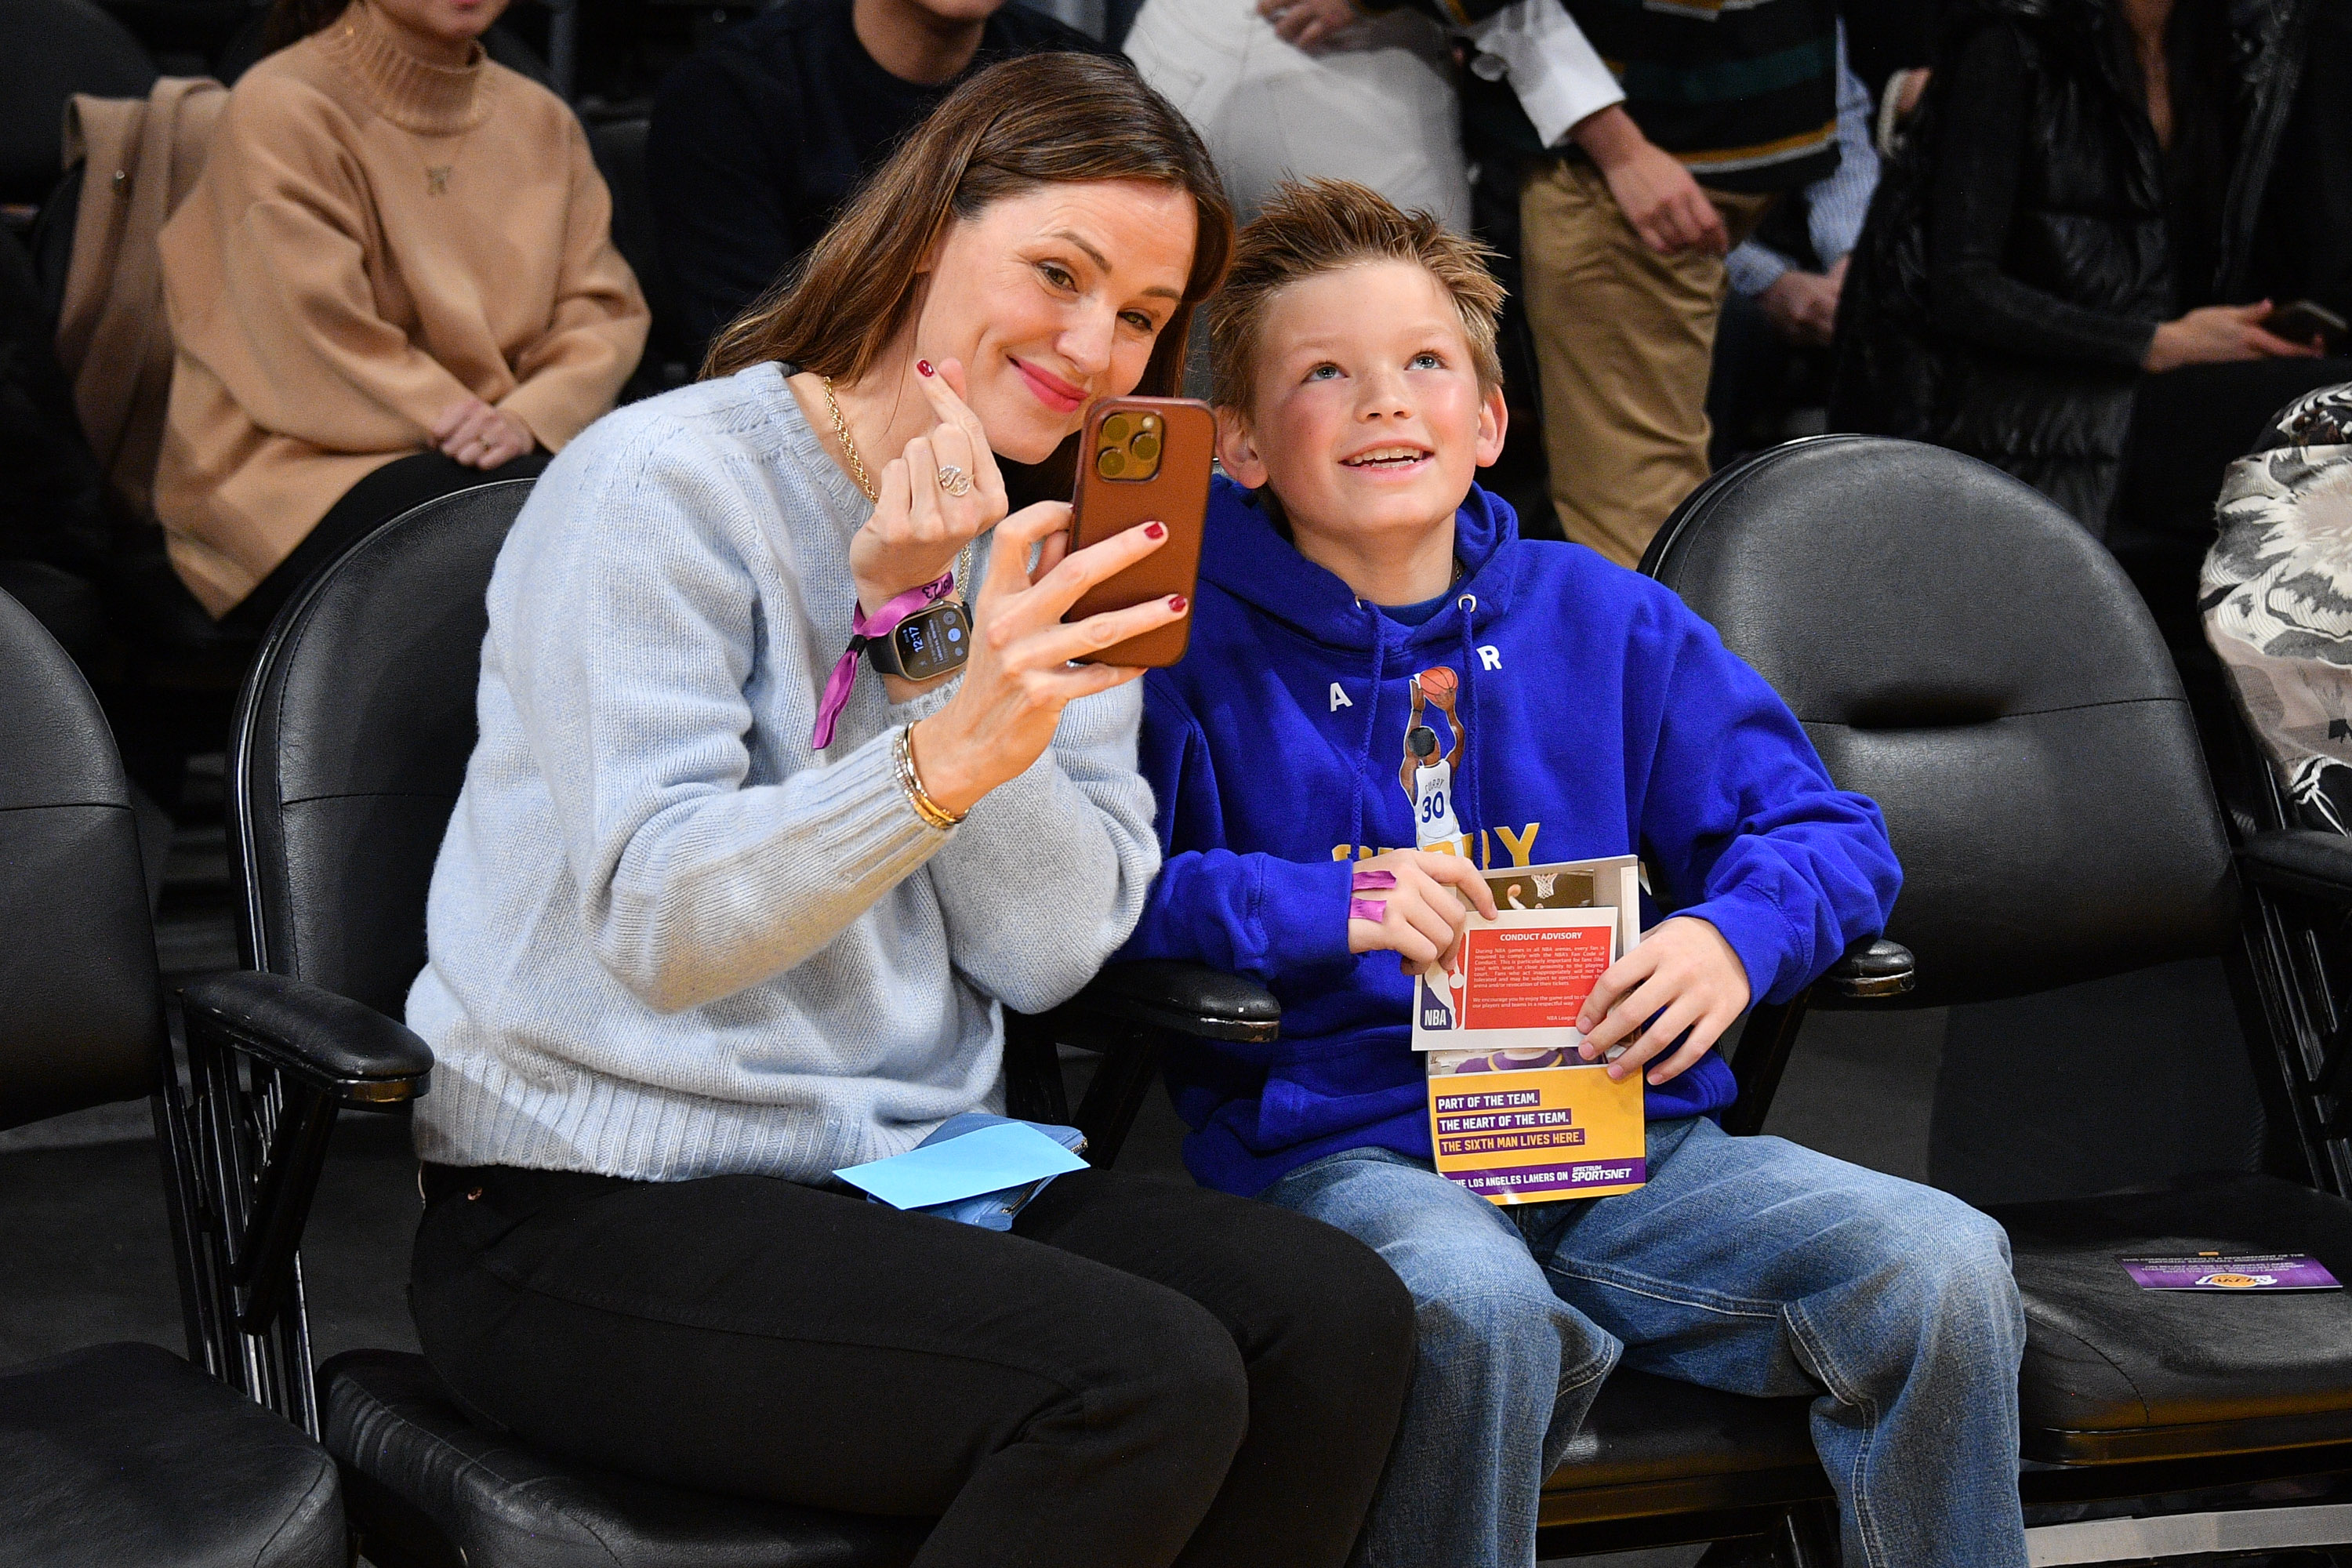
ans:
x=1189 y=999
x=1872 y=968
x=2301 y=861
x=356 y=1055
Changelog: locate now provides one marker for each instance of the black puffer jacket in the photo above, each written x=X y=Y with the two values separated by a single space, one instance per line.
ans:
x=2019 y=339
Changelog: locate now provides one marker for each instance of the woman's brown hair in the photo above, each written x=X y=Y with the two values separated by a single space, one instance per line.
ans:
x=1037 y=119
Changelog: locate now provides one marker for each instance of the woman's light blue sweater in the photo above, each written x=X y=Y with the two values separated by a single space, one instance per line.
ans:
x=666 y=939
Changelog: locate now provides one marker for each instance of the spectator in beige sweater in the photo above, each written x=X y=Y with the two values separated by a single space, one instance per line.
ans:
x=395 y=278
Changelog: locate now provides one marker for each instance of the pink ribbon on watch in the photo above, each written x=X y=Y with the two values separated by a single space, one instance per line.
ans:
x=864 y=630
x=1371 y=909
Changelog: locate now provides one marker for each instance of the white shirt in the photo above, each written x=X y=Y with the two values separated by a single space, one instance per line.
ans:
x=1558 y=77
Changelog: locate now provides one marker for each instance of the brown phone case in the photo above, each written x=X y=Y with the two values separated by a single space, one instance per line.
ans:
x=1144 y=459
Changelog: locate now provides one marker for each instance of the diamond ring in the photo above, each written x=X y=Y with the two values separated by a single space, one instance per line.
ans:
x=955 y=480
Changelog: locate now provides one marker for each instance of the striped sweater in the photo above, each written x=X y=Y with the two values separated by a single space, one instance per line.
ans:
x=1744 y=92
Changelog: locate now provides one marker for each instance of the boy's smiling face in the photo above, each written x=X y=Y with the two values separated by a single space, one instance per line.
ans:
x=1369 y=423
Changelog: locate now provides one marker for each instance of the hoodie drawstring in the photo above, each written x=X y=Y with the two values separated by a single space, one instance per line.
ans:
x=1371 y=722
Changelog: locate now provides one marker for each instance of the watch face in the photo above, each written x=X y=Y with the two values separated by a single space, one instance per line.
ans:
x=933 y=643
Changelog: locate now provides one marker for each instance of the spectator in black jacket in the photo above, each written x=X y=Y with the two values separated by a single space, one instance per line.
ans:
x=2059 y=272
x=759 y=139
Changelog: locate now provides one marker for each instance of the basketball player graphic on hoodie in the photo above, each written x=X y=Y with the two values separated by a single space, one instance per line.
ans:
x=1427 y=778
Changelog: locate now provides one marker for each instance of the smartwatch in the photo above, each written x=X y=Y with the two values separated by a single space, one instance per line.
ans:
x=933 y=642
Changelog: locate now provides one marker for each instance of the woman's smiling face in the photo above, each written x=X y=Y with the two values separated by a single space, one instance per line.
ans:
x=1052 y=299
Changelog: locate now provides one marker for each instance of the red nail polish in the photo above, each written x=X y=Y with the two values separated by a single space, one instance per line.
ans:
x=922 y=367
x=1177 y=602
x=1155 y=530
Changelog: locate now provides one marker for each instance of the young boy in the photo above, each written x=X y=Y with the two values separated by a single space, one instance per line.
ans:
x=1351 y=569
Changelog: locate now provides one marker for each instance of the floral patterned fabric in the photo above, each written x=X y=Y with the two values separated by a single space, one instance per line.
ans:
x=2277 y=592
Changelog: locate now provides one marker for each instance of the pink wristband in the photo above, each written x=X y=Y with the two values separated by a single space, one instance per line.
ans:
x=861 y=632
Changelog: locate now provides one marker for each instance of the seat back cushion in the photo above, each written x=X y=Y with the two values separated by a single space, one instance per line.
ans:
x=1964 y=652
x=351 y=744
x=81 y=1006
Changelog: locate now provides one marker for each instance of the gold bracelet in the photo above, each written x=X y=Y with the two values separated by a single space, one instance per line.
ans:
x=902 y=757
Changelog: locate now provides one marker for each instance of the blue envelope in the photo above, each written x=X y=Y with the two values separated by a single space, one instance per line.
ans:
x=976 y=1169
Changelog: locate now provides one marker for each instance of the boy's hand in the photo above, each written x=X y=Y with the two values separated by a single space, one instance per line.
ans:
x=1683 y=975
x=1425 y=911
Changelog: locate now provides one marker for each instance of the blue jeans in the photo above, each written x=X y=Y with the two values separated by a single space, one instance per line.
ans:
x=1750 y=1265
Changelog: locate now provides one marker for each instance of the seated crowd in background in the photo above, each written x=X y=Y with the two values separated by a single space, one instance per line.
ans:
x=1614 y=188
x=394 y=278
x=2068 y=265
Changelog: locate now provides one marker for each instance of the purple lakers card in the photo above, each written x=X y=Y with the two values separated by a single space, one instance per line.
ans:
x=2237 y=1272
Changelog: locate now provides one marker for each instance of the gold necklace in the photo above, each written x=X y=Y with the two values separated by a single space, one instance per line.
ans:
x=436 y=175
x=848 y=446
x=963 y=572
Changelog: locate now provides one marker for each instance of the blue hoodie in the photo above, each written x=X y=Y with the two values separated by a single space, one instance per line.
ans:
x=1601 y=718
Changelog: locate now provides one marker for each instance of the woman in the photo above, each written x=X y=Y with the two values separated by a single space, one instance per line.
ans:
x=2065 y=240
x=706 y=929
x=395 y=278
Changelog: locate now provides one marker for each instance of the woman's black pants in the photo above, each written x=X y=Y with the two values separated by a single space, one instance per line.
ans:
x=1143 y=1373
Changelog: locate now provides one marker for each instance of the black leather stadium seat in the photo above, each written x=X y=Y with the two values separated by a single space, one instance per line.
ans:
x=121 y=1453
x=2121 y=1375
x=619 y=147
x=416 y=1460
x=1962 y=652
x=1655 y=1450
x=125 y=1453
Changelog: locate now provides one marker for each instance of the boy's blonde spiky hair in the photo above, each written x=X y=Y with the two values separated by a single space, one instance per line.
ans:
x=1315 y=227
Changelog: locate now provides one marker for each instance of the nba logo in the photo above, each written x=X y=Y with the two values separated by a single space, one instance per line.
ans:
x=1436 y=1012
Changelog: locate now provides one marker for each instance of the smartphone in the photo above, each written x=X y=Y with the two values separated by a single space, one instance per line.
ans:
x=1144 y=459
x=2304 y=321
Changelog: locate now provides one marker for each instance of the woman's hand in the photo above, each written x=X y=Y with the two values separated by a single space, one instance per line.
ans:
x=1019 y=676
x=1306 y=23
x=1659 y=197
x=1683 y=975
x=480 y=436
x=2217 y=335
x=917 y=525
x=1423 y=915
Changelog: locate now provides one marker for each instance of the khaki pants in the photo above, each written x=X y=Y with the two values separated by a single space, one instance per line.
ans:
x=1624 y=343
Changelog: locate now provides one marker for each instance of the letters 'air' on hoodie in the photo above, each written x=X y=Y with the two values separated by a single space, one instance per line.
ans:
x=1592 y=714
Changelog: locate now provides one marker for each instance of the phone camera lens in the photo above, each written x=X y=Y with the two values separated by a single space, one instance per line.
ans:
x=1116 y=427
x=1145 y=447
x=1111 y=463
